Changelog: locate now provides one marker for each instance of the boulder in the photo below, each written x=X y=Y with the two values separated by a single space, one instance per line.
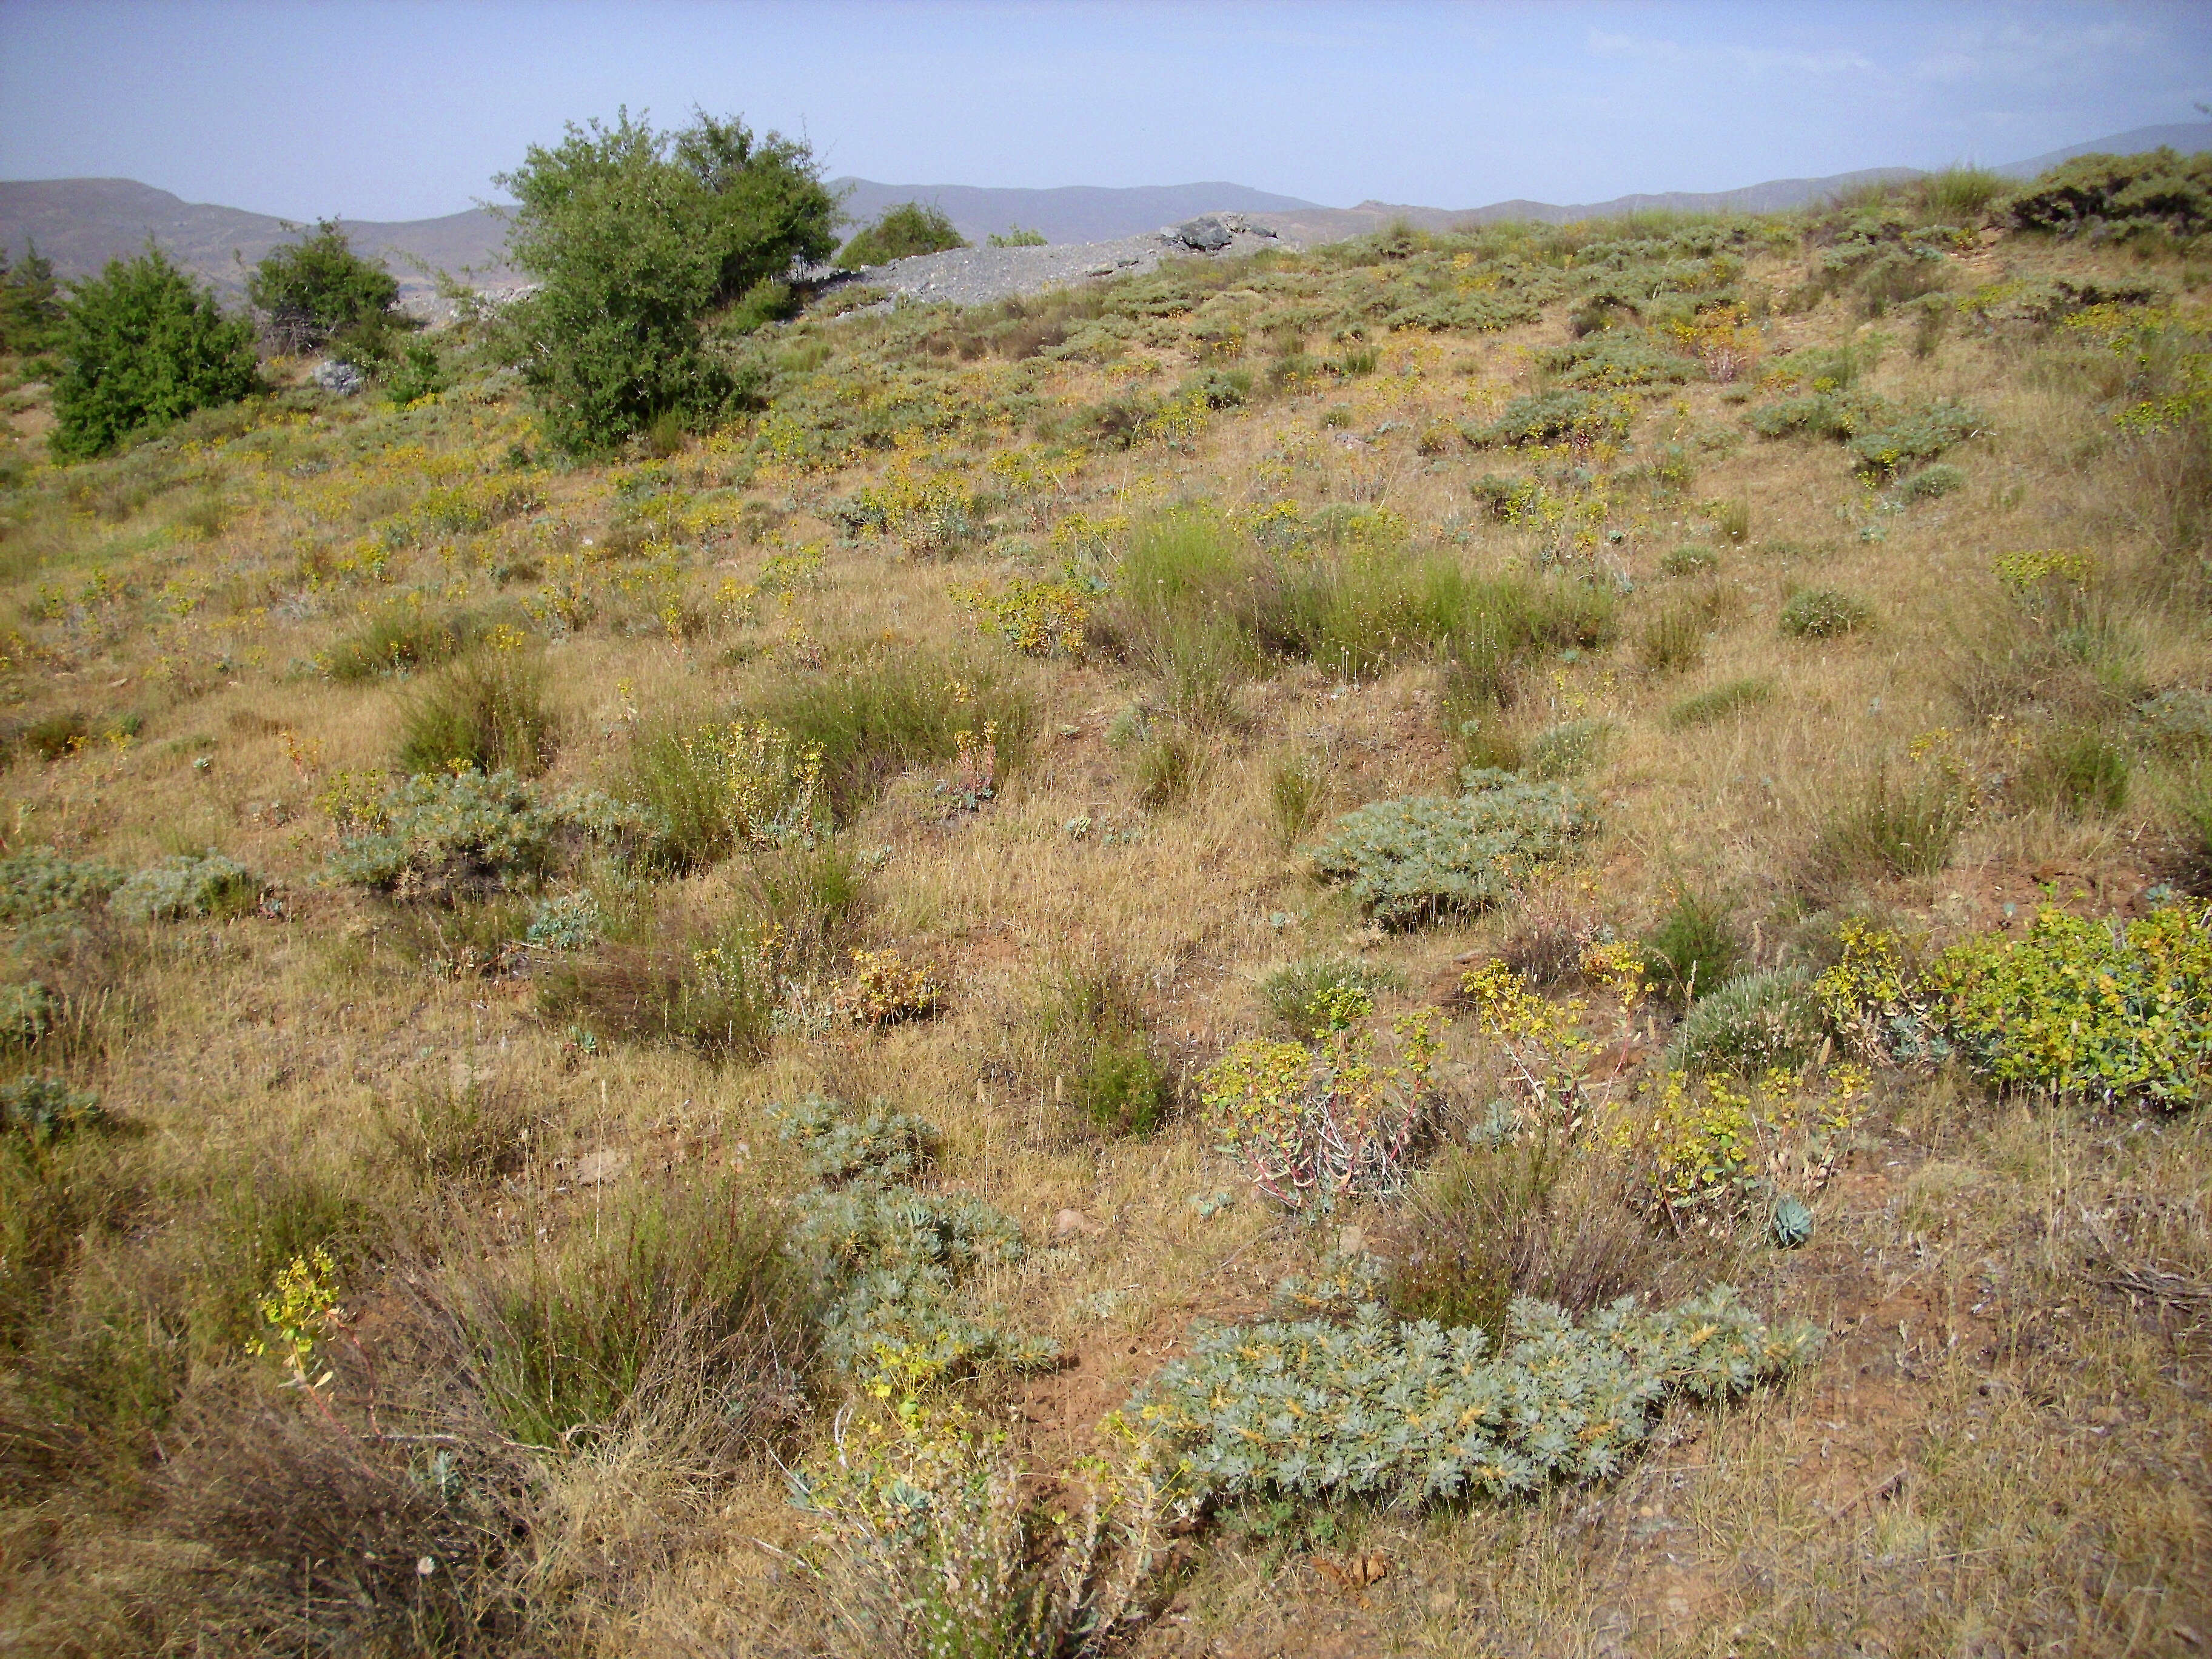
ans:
x=333 y=375
x=1205 y=234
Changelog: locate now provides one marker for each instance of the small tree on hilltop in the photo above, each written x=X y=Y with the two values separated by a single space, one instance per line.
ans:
x=636 y=238
x=902 y=231
x=143 y=344
x=319 y=289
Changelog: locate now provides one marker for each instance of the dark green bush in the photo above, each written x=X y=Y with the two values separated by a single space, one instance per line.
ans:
x=487 y=713
x=1693 y=948
x=635 y=238
x=142 y=344
x=395 y=639
x=2159 y=189
x=31 y=308
x=317 y=291
x=419 y=372
x=902 y=232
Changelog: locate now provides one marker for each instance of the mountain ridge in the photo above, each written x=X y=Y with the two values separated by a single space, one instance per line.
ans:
x=81 y=223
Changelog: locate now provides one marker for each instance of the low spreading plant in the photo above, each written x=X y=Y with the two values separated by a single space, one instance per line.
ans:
x=1711 y=1152
x=1415 y=860
x=202 y=885
x=44 y=1106
x=890 y=1260
x=40 y=881
x=1719 y=701
x=1823 y=613
x=1316 y=1125
x=436 y=836
x=885 y=989
x=2104 y=1011
x=1417 y=1414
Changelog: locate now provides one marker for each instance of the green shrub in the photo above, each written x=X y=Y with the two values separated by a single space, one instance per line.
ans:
x=1550 y=418
x=1823 y=613
x=1749 y=1025
x=45 y=1107
x=207 y=884
x=144 y=345
x=2107 y=1010
x=1617 y=357
x=418 y=372
x=31 y=308
x=1419 y=1413
x=488 y=713
x=1324 y=993
x=26 y=1013
x=318 y=289
x=1015 y=236
x=1957 y=196
x=1931 y=482
x=889 y=1261
x=1093 y=1028
x=1918 y=435
x=902 y=232
x=1692 y=949
x=442 y=836
x=634 y=238
x=1689 y=560
x=2077 y=770
x=2157 y=190
x=1416 y=860
x=1567 y=750
x=1674 y=638
x=38 y=881
x=1892 y=831
x=1719 y=702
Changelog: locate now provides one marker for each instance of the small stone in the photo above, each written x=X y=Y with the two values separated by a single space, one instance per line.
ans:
x=1442 y=1601
x=1072 y=1223
x=1350 y=1241
x=597 y=1168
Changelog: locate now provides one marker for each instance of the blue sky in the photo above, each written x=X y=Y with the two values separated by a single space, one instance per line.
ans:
x=399 y=110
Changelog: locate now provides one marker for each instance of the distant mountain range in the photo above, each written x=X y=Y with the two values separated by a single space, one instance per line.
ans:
x=81 y=223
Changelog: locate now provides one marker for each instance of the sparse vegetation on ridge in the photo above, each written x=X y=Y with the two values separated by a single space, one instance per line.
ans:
x=1462 y=776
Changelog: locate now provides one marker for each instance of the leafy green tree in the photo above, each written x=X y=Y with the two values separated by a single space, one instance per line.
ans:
x=636 y=239
x=30 y=304
x=319 y=288
x=143 y=344
x=902 y=231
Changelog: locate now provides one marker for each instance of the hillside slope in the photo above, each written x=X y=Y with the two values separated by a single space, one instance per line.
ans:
x=1142 y=906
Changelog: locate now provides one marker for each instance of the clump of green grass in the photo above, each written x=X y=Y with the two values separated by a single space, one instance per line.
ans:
x=687 y=1293
x=1093 y=1028
x=707 y=986
x=1567 y=750
x=1719 y=701
x=1690 y=559
x=1322 y=993
x=1674 y=638
x=1825 y=613
x=1889 y=830
x=398 y=639
x=1750 y=1025
x=2078 y=771
x=1692 y=949
x=1297 y=785
x=880 y=713
x=487 y=713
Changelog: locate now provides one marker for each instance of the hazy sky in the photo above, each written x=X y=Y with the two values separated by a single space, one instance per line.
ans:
x=391 y=111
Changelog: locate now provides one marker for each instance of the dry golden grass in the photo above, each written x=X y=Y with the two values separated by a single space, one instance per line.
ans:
x=2002 y=1451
